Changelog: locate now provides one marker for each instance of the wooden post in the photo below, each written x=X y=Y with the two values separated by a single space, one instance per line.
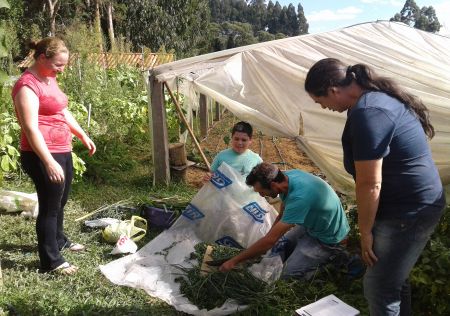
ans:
x=217 y=112
x=177 y=154
x=158 y=125
x=203 y=116
x=183 y=118
x=210 y=111
x=178 y=162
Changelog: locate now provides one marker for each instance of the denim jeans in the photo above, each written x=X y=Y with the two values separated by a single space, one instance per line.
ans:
x=303 y=254
x=52 y=198
x=397 y=244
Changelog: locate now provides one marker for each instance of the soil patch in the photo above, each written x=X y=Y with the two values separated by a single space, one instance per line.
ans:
x=278 y=150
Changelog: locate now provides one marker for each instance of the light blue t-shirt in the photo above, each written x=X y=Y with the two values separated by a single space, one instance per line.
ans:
x=312 y=203
x=242 y=163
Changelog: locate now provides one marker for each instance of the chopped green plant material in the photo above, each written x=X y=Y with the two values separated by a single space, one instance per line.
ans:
x=121 y=210
x=174 y=202
x=282 y=297
x=213 y=289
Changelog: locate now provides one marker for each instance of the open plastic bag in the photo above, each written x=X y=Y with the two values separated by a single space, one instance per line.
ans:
x=135 y=229
x=124 y=245
x=225 y=211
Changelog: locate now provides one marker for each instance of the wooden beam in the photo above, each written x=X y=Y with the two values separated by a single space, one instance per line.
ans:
x=217 y=112
x=183 y=118
x=203 y=116
x=160 y=140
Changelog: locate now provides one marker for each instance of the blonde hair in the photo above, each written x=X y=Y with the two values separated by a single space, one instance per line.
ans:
x=49 y=46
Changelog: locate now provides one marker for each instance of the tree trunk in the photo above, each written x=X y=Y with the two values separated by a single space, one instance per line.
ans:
x=111 y=26
x=98 y=26
x=52 y=9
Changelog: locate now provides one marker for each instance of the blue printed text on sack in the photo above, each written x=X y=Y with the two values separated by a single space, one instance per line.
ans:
x=220 y=180
x=255 y=211
x=229 y=242
x=192 y=212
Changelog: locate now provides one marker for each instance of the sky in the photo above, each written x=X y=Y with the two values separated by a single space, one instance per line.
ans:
x=324 y=15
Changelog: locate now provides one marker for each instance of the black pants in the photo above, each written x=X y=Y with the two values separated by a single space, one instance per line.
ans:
x=52 y=198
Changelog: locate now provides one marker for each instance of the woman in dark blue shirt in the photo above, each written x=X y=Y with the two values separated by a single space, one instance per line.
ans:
x=399 y=193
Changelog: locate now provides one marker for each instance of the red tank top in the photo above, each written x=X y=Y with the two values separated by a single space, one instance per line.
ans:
x=51 y=120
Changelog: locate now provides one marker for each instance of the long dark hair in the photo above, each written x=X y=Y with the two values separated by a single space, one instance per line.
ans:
x=331 y=72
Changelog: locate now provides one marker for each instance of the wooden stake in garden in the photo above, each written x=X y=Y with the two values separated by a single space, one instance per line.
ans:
x=1 y=276
x=183 y=118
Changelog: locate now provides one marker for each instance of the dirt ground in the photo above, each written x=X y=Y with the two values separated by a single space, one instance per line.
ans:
x=282 y=151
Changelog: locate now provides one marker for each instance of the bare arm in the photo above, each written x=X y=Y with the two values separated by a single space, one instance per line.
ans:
x=76 y=129
x=280 y=214
x=27 y=107
x=368 y=187
x=258 y=248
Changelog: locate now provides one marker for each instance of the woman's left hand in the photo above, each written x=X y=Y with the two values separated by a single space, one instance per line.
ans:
x=367 y=253
x=89 y=144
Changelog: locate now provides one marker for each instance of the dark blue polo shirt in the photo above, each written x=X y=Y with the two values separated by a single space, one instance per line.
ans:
x=380 y=126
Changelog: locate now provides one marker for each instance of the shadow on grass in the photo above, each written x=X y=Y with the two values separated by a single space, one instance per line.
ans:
x=16 y=247
x=15 y=264
x=21 y=309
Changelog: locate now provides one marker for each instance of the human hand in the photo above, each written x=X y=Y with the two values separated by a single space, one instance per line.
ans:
x=54 y=171
x=367 y=253
x=207 y=177
x=227 y=266
x=89 y=144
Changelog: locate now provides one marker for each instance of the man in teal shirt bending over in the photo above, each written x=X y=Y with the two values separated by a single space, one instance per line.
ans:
x=311 y=220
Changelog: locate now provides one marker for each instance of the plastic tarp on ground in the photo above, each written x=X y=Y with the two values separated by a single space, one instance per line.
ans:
x=264 y=84
x=225 y=211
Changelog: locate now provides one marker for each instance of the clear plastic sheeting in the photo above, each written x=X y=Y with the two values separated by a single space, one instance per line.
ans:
x=225 y=211
x=264 y=84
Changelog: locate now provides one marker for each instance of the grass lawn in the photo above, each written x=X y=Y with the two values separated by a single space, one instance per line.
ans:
x=27 y=292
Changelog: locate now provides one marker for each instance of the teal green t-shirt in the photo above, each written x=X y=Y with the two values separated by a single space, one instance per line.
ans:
x=312 y=203
x=242 y=163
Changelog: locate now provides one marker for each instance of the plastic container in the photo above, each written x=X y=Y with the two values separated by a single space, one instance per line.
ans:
x=158 y=217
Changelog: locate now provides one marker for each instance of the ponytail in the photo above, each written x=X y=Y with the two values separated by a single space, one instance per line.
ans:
x=331 y=72
x=369 y=81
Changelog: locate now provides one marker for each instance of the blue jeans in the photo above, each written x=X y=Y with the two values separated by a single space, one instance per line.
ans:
x=303 y=254
x=397 y=244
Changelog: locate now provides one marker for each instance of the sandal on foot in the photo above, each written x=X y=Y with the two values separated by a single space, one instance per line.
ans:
x=65 y=269
x=76 y=247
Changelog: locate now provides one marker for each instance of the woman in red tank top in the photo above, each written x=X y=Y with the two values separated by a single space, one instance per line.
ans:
x=46 y=144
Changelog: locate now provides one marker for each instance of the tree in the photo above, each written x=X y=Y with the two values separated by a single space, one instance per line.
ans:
x=428 y=20
x=239 y=34
x=257 y=14
x=98 y=25
x=109 y=11
x=292 y=25
x=53 y=7
x=274 y=17
x=264 y=36
x=424 y=19
x=178 y=24
x=410 y=12
x=302 y=23
x=3 y=45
